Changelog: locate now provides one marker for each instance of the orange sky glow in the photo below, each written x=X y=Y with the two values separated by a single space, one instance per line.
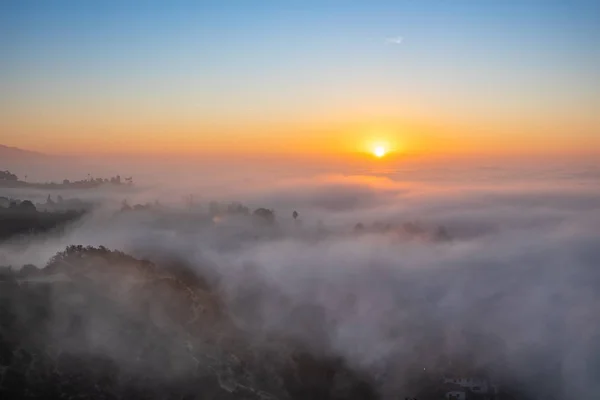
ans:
x=118 y=81
x=330 y=139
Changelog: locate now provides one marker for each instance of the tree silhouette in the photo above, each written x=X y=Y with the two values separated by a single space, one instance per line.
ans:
x=27 y=206
x=125 y=206
x=266 y=214
x=8 y=176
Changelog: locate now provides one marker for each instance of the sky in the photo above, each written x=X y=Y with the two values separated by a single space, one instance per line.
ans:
x=300 y=77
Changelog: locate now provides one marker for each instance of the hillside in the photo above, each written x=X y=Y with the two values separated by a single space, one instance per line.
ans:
x=97 y=323
x=8 y=153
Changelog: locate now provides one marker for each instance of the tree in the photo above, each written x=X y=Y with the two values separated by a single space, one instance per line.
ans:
x=442 y=234
x=189 y=200
x=237 y=208
x=125 y=206
x=27 y=206
x=266 y=214
x=29 y=270
x=214 y=208
x=8 y=176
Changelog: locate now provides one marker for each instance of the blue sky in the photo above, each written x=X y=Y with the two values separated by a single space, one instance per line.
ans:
x=255 y=61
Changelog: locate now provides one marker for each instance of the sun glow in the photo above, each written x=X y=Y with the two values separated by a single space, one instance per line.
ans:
x=379 y=151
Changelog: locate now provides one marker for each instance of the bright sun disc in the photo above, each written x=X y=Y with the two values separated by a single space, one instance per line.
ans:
x=379 y=151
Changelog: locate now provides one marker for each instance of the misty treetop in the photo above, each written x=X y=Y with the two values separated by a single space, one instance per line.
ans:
x=166 y=334
x=23 y=218
x=169 y=333
x=8 y=179
x=8 y=176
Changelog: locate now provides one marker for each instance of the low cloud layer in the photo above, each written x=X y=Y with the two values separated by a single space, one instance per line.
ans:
x=514 y=290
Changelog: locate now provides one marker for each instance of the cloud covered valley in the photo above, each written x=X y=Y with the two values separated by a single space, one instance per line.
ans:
x=403 y=283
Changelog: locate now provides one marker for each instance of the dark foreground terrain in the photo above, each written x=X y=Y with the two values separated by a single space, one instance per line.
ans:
x=101 y=325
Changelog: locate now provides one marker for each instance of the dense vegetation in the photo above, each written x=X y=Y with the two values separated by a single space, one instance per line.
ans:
x=21 y=218
x=100 y=324
x=96 y=323
x=8 y=179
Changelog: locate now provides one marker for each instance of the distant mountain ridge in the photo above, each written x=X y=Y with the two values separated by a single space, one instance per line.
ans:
x=15 y=153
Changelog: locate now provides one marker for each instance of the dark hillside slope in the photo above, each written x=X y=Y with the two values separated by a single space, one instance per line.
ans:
x=97 y=324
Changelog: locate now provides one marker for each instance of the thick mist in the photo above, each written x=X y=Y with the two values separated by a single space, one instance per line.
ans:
x=391 y=271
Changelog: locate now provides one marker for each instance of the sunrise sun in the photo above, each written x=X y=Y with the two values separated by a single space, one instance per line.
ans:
x=379 y=151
